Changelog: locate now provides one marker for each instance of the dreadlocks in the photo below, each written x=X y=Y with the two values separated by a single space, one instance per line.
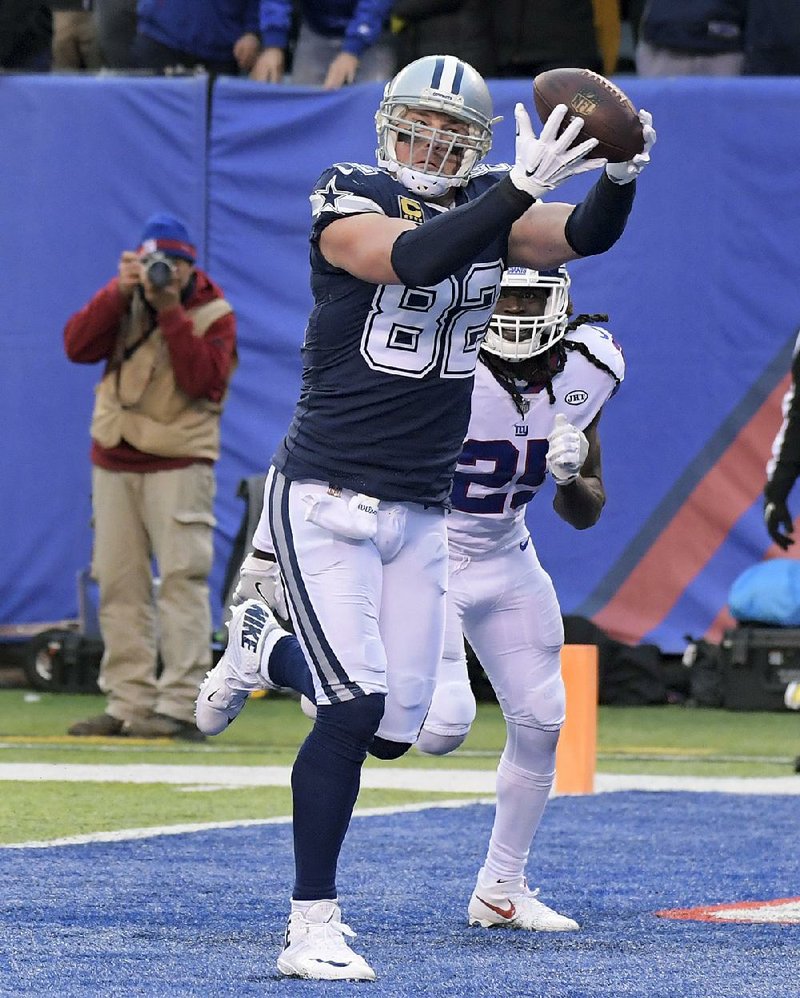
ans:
x=542 y=368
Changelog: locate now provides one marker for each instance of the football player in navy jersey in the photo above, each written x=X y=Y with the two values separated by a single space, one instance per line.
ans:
x=540 y=387
x=406 y=262
x=783 y=467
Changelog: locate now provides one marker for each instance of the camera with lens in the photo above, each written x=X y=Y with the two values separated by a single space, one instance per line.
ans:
x=159 y=269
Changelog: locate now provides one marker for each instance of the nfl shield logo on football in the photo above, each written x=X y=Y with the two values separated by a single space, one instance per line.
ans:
x=583 y=103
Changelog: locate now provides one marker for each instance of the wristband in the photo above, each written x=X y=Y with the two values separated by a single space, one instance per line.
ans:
x=600 y=219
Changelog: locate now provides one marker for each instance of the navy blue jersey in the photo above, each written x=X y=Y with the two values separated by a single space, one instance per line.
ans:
x=387 y=369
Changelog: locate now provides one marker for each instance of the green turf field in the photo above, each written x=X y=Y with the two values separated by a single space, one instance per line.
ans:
x=669 y=740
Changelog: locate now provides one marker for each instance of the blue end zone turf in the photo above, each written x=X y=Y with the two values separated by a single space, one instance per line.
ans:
x=203 y=914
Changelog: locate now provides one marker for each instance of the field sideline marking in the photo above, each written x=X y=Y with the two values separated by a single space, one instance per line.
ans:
x=474 y=781
x=128 y=834
x=425 y=780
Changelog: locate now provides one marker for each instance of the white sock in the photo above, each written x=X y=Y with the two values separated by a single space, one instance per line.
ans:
x=522 y=796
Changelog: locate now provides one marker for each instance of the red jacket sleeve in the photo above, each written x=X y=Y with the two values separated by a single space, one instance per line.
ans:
x=90 y=333
x=202 y=366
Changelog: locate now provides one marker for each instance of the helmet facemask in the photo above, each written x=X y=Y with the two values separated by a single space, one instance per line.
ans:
x=516 y=338
x=444 y=85
x=443 y=146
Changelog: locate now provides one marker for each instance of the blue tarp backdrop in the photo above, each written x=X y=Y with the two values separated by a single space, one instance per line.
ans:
x=701 y=293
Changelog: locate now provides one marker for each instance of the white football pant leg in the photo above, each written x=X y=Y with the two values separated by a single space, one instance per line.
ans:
x=517 y=633
x=453 y=706
x=412 y=619
x=333 y=588
x=360 y=605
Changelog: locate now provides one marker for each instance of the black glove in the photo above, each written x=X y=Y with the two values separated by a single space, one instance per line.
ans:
x=776 y=515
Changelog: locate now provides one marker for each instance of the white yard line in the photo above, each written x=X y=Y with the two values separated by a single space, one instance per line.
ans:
x=456 y=781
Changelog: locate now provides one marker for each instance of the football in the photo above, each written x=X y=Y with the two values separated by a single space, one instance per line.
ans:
x=608 y=115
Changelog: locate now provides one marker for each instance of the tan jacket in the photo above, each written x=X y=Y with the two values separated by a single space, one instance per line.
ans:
x=139 y=400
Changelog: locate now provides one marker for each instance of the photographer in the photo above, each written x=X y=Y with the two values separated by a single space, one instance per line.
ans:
x=168 y=340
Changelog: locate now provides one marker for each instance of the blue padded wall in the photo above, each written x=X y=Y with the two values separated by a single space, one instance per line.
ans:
x=701 y=293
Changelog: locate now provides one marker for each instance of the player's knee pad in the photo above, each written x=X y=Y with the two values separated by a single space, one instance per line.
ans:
x=432 y=743
x=542 y=706
x=382 y=748
x=406 y=705
x=530 y=750
x=452 y=709
x=353 y=720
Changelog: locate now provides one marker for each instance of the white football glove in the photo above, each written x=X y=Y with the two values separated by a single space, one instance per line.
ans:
x=261 y=579
x=624 y=173
x=540 y=165
x=567 y=451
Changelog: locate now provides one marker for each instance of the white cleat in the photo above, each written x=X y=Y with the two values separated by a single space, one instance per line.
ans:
x=315 y=947
x=512 y=904
x=252 y=634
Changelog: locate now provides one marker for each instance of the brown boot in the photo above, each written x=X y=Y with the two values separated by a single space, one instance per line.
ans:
x=162 y=726
x=102 y=725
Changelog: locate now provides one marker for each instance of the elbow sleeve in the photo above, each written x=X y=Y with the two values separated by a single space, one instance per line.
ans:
x=426 y=255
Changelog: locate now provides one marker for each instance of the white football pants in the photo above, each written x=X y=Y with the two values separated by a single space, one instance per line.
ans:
x=368 y=611
x=507 y=608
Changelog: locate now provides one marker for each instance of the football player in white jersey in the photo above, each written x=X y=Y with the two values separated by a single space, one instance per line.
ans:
x=539 y=392
x=406 y=260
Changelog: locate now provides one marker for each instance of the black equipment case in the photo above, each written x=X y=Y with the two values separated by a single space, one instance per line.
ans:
x=758 y=663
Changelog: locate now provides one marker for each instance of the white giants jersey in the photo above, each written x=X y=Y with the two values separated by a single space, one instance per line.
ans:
x=503 y=463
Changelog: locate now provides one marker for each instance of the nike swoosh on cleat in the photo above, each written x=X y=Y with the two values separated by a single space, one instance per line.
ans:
x=508 y=912
x=331 y=963
x=211 y=695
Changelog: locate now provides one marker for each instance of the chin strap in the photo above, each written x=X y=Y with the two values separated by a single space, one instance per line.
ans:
x=424 y=184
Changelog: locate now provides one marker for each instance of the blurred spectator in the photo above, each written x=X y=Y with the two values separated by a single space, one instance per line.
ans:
x=534 y=35
x=772 y=38
x=74 y=43
x=221 y=36
x=419 y=26
x=630 y=18
x=338 y=42
x=25 y=35
x=632 y=11
x=692 y=38
x=116 y=29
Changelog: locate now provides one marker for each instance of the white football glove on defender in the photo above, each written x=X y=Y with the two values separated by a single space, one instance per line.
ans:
x=567 y=451
x=540 y=165
x=261 y=579
x=624 y=173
